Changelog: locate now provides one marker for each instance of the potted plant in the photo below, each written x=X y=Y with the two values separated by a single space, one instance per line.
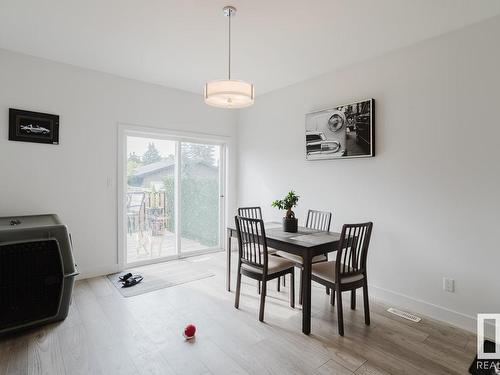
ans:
x=290 y=223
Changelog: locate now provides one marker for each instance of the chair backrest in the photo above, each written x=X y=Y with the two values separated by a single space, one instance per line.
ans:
x=353 y=250
x=319 y=220
x=252 y=241
x=250 y=212
x=135 y=201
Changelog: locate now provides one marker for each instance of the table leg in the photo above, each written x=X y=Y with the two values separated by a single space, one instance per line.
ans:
x=228 y=261
x=306 y=299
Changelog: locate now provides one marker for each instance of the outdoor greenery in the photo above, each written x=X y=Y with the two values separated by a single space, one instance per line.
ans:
x=199 y=208
x=200 y=194
x=195 y=153
x=287 y=203
x=152 y=155
x=192 y=154
x=134 y=161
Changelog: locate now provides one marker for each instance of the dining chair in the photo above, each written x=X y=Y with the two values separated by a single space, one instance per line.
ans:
x=318 y=220
x=348 y=271
x=256 y=213
x=255 y=262
x=250 y=212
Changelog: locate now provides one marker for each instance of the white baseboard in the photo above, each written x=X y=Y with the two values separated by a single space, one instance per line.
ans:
x=95 y=272
x=418 y=306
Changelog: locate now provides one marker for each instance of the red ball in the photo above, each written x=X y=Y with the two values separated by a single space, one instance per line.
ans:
x=189 y=331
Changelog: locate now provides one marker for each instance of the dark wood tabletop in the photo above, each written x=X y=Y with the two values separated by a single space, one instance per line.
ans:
x=304 y=237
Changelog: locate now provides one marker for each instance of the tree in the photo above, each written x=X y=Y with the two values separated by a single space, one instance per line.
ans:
x=134 y=157
x=152 y=155
x=133 y=162
x=195 y=153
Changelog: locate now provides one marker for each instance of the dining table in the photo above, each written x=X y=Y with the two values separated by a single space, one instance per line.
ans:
x=306 y=243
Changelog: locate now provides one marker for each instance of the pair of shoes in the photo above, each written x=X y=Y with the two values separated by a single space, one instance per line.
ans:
x=125 y=277
x=129 y=280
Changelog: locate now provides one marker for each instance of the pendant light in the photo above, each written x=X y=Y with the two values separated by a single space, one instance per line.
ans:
x=229 y=93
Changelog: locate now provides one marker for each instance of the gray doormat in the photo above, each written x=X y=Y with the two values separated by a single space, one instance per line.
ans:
x=161 y=275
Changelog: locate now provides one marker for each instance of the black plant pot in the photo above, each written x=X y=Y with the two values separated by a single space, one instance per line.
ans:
x=290 y=225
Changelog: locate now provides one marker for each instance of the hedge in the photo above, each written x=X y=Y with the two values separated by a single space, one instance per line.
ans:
x=199 y=208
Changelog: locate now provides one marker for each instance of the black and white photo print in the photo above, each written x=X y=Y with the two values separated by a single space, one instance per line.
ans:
x=346 y=131
x=26 y=126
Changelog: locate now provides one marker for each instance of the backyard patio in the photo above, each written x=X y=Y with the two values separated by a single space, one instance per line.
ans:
x=151 y=247
x=151 y=228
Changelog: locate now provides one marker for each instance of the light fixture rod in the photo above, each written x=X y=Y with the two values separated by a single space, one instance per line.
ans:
x=229 y=12
x=229 y=57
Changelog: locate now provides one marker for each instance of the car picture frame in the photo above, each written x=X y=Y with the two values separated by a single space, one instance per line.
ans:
x=38 y=127
x=341 y=132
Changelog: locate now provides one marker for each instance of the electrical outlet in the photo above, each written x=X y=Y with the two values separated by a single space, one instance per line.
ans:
x=448 y=285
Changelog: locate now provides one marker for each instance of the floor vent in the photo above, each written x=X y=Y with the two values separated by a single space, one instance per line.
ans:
x=404 y=314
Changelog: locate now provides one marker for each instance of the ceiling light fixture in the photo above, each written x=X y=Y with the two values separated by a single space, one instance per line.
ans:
x=229 y=93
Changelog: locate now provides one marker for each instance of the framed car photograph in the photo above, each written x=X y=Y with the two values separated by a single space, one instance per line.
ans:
x=26 y=126
x=346 y=131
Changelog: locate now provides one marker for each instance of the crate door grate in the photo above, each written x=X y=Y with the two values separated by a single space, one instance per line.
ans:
x=31 y=282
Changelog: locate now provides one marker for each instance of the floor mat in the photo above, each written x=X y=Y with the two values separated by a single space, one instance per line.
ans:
x=161 y=275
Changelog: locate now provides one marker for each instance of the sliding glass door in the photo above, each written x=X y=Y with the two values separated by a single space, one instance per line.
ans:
x=172 y=197
x=200 y=194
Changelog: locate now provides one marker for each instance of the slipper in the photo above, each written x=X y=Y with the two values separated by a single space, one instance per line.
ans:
x=134 y=280
x=125 y=277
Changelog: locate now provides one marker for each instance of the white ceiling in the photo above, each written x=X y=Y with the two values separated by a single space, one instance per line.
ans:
x=182 y=43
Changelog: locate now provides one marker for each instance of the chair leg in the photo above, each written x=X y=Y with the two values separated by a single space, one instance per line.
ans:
x=278 y=284
x=292 y=289
x=327 y=290
x=284 y=280
x=238 y=287
x=258 y=287
x=353 y=299
x=262 y=300
x=340 y=313
x=366 y=303
x=332 y=298
x=301 y=290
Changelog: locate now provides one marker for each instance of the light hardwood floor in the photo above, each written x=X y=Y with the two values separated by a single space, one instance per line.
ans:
x=108 y=334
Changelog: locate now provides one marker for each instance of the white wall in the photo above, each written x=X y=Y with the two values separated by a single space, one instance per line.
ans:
x=71 y=179
x=432 y=189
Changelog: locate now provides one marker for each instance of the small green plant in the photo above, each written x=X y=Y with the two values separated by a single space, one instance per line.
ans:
x=287 y=203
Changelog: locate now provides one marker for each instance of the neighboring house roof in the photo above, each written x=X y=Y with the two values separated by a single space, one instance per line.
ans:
x=159 y=166
x=205 y=164
x=153 y=168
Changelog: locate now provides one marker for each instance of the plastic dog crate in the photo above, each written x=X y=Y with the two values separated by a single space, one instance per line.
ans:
x=37 y=271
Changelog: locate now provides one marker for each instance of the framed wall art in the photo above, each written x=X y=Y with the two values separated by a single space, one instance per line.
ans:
x=346 y=131
x=27 y=126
